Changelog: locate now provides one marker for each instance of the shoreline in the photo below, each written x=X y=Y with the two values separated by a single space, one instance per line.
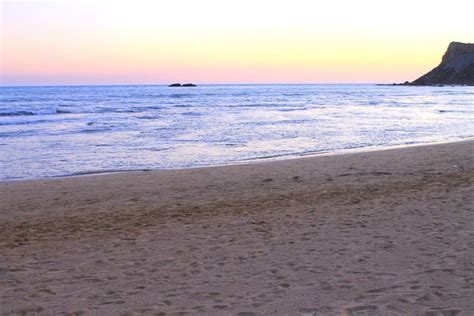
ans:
x=351 y=151
x=384 y=232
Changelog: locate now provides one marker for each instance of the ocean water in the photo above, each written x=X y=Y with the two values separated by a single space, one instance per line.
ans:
x=60 y=131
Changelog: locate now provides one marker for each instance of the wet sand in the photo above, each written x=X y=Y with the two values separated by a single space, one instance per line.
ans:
x=377 y=233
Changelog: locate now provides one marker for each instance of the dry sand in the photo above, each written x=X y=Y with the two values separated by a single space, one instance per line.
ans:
x=379 y=233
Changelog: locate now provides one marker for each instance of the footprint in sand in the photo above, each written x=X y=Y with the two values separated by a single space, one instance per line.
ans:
x=360 y=310
x=308 y=311
x=443 y=312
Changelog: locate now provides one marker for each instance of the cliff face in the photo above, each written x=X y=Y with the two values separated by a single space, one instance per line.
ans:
x=457 y=67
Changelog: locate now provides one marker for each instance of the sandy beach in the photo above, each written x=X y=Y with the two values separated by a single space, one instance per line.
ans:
x=375 y=233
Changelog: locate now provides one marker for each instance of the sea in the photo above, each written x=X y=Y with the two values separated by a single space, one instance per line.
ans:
x=61 y=131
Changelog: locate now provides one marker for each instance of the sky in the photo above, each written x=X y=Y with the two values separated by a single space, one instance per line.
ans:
x=209 y=41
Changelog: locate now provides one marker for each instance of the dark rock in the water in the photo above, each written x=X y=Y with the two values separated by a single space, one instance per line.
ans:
x=456 y=68
x=182 y=85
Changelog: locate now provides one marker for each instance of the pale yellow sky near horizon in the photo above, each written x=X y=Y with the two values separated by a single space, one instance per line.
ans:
x=208 y=41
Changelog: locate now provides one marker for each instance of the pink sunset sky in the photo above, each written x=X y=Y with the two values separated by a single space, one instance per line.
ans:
x=207 y=41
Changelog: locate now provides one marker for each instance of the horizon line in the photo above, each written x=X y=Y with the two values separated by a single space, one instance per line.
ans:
x=197 y=84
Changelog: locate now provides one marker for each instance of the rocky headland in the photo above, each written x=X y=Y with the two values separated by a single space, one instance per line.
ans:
x=456 y=68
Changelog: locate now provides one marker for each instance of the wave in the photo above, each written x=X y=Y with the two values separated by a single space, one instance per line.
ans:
x=30 y=113
x=192 y=113
x=60 y=111
x=17 y=133
x=24 y=99
x=17 y=113
x=180 y=95
x=292 y=94
x=292 y=109
x=455 y=111
x=24 y=122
